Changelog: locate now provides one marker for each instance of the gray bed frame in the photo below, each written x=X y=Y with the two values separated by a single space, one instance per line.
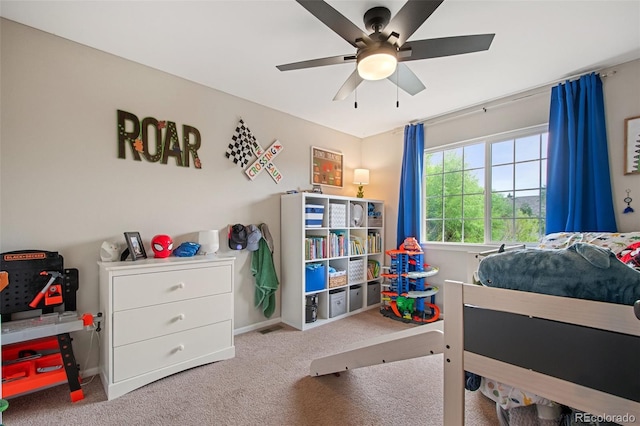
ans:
x=580 y=353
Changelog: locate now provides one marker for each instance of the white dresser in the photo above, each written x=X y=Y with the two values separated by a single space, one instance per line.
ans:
x=163 y=316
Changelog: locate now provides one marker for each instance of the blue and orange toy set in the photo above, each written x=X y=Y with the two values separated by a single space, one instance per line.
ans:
x=409 y=297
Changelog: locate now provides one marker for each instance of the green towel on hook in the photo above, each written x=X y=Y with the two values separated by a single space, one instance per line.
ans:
x=267 y=283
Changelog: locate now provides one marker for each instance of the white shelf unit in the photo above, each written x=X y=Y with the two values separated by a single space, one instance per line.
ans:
x=359 y=291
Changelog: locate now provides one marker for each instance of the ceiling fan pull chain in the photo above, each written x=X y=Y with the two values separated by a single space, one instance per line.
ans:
x=355 y=104
x=397 y=89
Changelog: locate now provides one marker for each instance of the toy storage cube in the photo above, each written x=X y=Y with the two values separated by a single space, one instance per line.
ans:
x=356 y=270
x=337 y=279
x=373 y=293
x=337 y=303
x=314 y=277
x=374 y=222
x=355 y=298
x=313 y=215
x=337 y=215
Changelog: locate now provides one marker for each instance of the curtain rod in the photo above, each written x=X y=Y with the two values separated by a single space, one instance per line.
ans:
x=484 y=106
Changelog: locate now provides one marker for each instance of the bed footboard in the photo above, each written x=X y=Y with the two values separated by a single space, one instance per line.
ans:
x=520 y=338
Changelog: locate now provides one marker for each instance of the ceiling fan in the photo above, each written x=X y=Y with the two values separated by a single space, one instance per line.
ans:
x=382 y=53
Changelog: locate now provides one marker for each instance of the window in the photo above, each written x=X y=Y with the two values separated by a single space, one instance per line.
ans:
x=488 y=191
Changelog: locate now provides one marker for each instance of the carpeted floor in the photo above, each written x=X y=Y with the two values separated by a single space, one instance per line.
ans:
x=268 y=383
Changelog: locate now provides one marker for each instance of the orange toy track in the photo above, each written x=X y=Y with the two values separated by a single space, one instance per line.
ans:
x=391 y=293
x=436 y=314
x=394 y=308
x=393 y=252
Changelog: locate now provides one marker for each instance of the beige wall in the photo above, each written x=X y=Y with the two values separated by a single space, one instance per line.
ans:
x=622 y=100
x=64 y=189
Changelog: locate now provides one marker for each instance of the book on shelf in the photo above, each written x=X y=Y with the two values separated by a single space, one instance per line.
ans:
x=315 y=248
x=356 y=246
x=373 y=269
x=336 y=244
x=374 y=242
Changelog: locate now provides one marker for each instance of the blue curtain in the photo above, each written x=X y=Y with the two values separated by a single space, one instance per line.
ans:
x=579 y=194
x=409 y=218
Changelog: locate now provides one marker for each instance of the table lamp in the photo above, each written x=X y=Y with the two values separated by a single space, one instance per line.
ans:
x=360 y=178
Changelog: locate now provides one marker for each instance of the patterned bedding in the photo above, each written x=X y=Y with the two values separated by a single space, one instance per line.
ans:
x=625 y=288
x=615 y=241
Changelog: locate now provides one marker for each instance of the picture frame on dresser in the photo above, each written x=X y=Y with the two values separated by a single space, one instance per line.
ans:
x=134 y=243
x=632 y=145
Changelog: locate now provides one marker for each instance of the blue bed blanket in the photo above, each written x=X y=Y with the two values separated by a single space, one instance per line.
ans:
x=582 y=271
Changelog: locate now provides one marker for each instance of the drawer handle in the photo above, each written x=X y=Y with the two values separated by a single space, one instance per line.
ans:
x=180 y=285
x=180 y=348
x=180 y=317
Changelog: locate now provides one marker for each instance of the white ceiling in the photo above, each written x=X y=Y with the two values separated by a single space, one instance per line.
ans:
x=234 y=46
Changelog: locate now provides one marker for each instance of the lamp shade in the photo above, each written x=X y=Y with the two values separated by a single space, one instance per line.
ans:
x=361 y=176
x=209 y=241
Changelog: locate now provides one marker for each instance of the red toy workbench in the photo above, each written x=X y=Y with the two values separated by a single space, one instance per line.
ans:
x=37 y=352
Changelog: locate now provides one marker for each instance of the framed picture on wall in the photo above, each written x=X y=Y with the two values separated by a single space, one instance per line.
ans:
x=632 y=145
x=326 y=167
x=134 y=243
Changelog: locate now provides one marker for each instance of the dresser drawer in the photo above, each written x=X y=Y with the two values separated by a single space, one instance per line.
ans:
x=146 y=289
x=149 y=322
x=149 y=355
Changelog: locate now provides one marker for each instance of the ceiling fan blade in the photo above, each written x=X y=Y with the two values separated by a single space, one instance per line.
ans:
x=333 y=60
x=349 y=86
x=410 y=18
x=406 y=80
x=446 y=46
x=334 y=20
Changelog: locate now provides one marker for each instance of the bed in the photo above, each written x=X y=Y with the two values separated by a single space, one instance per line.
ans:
x=584 y=354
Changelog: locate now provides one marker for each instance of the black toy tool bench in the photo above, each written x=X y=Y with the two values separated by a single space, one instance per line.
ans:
x=36 y=351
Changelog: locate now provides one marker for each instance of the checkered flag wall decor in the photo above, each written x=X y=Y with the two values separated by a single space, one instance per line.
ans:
x=245 y=146
x=239 y=151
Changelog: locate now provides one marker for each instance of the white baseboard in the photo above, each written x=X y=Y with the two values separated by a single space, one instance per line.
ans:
x=257 y=326
x=93 y=371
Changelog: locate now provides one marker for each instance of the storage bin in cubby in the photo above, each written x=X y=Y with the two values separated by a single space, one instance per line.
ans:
x=313 y=215
x=356 y=270
x=355 y=298
x=374 y=222
x=337 y=215
x=314 y=277
x=337 y=302
x=337 y=279
x=373 y=293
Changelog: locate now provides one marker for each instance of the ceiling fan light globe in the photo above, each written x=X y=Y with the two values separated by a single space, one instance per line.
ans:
x=377 y=64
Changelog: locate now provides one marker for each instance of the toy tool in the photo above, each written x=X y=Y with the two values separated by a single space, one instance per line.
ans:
x=54 y=275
